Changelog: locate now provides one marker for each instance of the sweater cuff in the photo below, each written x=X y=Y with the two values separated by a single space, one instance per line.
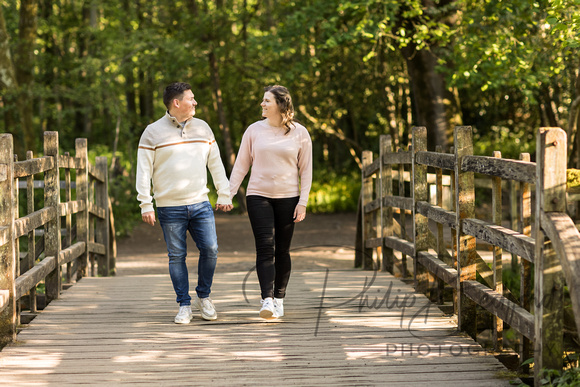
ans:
x=224 y=199
x=146 y=208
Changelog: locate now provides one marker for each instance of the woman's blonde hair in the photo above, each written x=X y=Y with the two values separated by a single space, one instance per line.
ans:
x=284 y=102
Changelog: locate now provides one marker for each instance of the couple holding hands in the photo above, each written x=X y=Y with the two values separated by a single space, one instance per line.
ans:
x=174 y=155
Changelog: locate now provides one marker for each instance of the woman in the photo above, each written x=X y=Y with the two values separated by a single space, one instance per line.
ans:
x=279 y=151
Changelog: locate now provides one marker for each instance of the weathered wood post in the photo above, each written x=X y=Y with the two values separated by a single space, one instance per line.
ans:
x=549 y=280
x=7 y=252
x=441 y=250
x=51 y=201
x=367 y=197
x=102 y=227
x=496 y=202
x=68 y=220
x=31 y=256
x=386 y=173
x=465 y=208
x=525 y=199
x=421 y=222
x=403 y=217
x=82 y=191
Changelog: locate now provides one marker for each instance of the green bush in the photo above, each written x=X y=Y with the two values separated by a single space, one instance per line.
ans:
x=332 y=192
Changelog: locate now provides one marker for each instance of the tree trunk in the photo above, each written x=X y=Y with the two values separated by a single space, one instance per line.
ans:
x=429 y=94
x=25 y=69
x=9 y=89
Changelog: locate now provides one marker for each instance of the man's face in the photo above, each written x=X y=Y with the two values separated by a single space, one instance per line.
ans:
x=186 y=106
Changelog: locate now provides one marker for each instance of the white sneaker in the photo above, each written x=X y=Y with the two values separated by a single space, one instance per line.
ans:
x=205 y=306
x=278 y=307
x=267 y=310
x=184 y=315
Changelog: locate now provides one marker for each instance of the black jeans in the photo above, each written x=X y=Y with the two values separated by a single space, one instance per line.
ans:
x=273 y=225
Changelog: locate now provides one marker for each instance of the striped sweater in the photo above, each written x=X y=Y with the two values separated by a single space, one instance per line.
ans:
x=174 y=159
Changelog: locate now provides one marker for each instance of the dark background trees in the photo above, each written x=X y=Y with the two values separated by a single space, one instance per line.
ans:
x=356 y=70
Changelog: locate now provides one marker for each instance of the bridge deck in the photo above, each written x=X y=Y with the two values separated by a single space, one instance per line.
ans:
x=120 y=330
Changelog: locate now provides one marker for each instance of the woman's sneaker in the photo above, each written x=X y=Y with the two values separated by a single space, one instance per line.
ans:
x=184 y=315
x=205 y=306
x=278 y=307
x=267 y=310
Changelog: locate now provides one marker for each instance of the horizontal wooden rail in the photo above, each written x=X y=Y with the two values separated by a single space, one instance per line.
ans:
x=32 y=277
x=71 y=207
x=372 y=168
x=96 y=174
x=71 y=253
x=436 y=160
x=70 y=162
x=34 y=166
x=398 y=158
x=97 y=248
x=398 y=202
x=513 y=314
x=522 y=171
x=438 y=214
x=439 y=268
x=399 y=244
x=509 y=240
x=97 y=211
x=26 y=224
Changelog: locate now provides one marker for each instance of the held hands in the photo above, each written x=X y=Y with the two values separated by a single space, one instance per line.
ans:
x=224 y=207
x=299 y=213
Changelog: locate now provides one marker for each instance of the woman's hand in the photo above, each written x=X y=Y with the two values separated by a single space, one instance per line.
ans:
x=299 y=213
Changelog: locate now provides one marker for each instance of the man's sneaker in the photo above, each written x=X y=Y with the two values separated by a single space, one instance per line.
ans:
x=184 y=315
x=205 y=306
x=267 y=310
x=278 y=307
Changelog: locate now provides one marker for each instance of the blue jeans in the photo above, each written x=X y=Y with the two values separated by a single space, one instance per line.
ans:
x=199 y=220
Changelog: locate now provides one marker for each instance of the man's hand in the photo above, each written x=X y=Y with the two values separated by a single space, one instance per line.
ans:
x=224 y=207
x=149 y=218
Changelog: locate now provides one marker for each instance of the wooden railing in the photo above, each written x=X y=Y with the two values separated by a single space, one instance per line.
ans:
x=546 y=240
x=60 y=242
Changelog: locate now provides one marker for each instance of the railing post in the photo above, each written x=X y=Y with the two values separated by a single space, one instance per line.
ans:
x=367 y=197
x=525 y=199
x=497 y=256
x=465 y=208
x=52 y=200
x=7 y=252
x=82 y=194
x=403 y=217
x=102 y=231
x=31 y=255
x=441 y=250
x=420 y=222
x=386 y=212
x=549 y=280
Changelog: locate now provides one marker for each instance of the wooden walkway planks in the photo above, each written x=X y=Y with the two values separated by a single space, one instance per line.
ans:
x=369 y=331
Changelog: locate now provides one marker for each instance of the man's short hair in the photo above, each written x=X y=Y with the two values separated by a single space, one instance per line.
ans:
x=173 y=91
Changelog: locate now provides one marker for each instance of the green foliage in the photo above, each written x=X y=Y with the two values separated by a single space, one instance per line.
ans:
x=511 y=143
x=332 y=192
x=566 y=378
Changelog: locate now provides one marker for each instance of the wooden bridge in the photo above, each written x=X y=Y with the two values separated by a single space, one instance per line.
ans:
x=343 y=327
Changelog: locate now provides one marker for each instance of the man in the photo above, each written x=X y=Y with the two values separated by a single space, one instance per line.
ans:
x=174 y=153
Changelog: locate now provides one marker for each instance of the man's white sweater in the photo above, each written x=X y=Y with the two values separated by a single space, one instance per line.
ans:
x=176 y=158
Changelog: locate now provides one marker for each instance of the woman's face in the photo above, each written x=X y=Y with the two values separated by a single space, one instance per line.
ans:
x=270 y=108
